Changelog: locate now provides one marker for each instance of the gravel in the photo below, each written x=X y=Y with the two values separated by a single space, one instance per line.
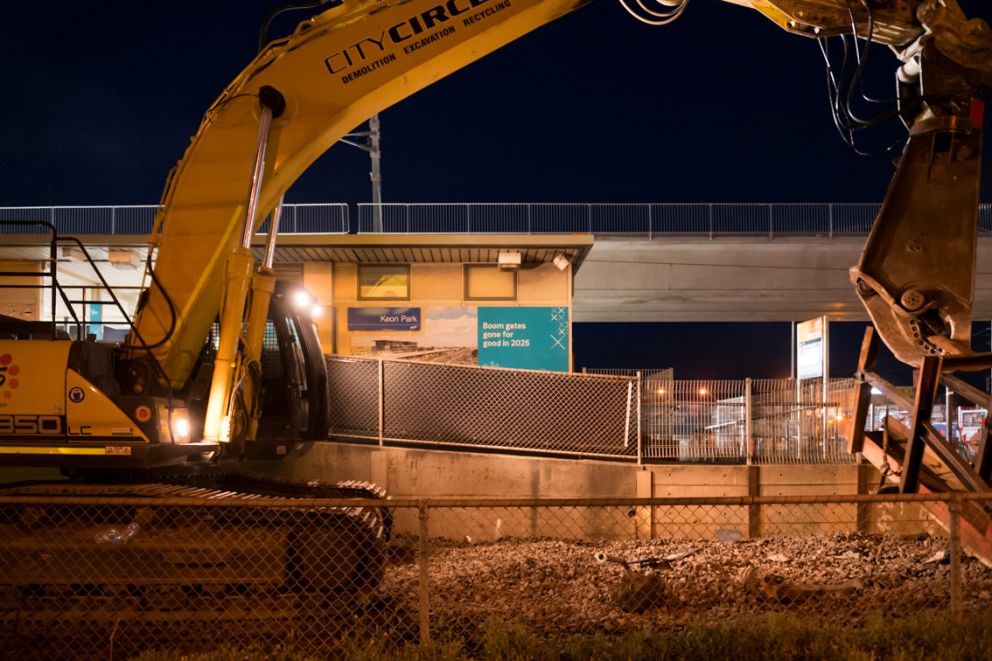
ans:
x=556 y=586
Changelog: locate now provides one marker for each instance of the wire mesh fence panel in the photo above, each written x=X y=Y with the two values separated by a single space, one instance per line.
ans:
x=690 y=420
x=353 y=397
x=791 y=424
x=510 y=409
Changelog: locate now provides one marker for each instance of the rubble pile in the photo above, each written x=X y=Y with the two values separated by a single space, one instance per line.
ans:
x=561 y=586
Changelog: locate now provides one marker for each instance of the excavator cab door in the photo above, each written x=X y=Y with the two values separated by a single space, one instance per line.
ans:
x=294 y=389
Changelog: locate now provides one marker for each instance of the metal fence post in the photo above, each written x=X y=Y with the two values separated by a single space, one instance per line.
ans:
x=626 y=425
x=771 y=222
x=711 y=222
x=468 y=218
x=423 y=515
x=640 y=442
x=954 y=507
x=650 y=223
x=748 y=417
x=382 y=402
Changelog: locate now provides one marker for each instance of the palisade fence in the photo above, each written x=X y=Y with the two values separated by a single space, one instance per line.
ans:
x=618 y=416
x=96 y=577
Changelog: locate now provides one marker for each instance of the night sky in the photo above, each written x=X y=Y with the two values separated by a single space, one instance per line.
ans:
x=100 y=100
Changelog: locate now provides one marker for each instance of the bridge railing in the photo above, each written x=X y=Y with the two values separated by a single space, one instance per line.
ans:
x=619 y=218
x=327 y=218
x=622 y=219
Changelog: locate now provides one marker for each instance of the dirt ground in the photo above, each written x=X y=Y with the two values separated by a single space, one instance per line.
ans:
x=555 y=586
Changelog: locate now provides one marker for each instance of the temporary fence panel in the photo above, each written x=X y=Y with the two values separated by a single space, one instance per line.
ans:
x=482 y=407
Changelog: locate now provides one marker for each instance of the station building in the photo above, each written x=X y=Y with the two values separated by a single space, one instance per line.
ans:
x=500 y=300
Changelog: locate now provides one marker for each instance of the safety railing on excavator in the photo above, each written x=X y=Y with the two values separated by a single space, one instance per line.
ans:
x=56 y=294
x=622 y=219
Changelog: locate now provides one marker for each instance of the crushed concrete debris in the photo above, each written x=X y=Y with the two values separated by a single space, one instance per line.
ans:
x=557 y=586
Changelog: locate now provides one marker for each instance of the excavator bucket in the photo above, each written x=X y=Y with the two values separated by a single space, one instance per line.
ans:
x=916 y=275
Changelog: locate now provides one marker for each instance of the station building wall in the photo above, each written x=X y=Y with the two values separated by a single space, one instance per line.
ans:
x=438 y=290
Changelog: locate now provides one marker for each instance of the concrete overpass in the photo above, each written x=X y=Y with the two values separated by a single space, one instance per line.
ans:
x=730 y=278
x=650 y=262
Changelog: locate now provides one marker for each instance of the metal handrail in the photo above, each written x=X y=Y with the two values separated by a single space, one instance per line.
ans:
x=636 y=219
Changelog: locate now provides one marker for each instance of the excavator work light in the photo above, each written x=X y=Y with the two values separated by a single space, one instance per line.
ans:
x=302 y=299
x=174 y=425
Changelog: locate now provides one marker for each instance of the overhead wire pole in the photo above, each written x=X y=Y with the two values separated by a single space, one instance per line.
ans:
x=372 y=144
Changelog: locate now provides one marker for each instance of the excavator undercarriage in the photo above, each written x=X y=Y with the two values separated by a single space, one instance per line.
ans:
x=215 y=547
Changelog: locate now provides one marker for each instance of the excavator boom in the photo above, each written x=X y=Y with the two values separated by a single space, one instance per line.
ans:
x=333 y=72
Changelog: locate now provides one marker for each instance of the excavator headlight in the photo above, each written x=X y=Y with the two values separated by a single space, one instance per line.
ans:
x=174 y=425
x=303 y=300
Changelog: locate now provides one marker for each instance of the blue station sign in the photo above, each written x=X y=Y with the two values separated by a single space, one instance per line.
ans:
x=384 y=319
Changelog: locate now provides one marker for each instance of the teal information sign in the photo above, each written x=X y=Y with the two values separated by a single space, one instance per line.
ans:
x=525 y=338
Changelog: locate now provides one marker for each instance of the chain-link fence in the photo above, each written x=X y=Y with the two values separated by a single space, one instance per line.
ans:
x=638 y=415
x=112 y=578
x=409 y=402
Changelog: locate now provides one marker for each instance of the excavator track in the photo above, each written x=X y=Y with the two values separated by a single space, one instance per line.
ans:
x=135 y=560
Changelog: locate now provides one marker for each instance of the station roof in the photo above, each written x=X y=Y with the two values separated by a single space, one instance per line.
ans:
x=300 y=248
x=427 y=248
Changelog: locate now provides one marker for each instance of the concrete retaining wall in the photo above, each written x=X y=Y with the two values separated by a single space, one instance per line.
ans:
x=406 y=472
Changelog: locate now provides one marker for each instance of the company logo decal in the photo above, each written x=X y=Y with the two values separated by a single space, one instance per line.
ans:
x=8 y=376
x=76 y=394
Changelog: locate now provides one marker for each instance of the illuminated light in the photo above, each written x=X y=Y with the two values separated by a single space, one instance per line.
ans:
x=702 y=392
x=661 y=391
x=302 y=299
x=875 y=391
x=182 y=427
x=316 y=311
x=840 y=417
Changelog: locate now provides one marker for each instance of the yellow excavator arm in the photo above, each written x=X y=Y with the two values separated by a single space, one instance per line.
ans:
x=334 y=72
x=302 y=93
